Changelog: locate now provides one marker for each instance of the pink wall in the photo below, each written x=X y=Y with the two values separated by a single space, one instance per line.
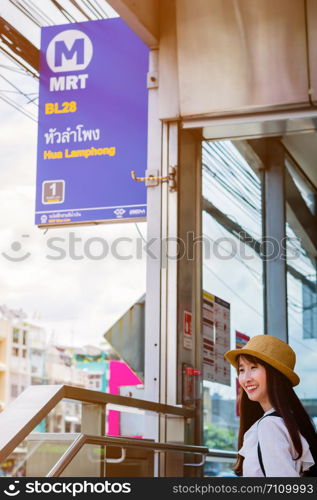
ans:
x=119 y=374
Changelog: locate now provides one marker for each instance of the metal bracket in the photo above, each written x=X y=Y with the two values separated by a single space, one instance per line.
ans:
x=116 y=460
x=152 y=80
x=198 y=464
x=152 y=178
x=110 y=460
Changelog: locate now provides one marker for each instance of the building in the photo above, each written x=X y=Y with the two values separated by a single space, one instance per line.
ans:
x=38 y=343
x=93 y=361
x=5 y=360
x=22 y=353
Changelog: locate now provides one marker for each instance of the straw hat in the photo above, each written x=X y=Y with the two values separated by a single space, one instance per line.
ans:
x=273 y=351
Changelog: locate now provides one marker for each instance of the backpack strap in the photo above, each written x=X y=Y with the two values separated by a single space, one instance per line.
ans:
x=260 y=460
x=273 y=414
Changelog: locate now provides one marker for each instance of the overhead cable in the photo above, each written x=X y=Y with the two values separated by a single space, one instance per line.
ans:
x=11 y=103
x=17 y=43
x=63 y=11
x=42 y=16
x=18 y=62
x=81 y=10
x=25 y=11
x=18 y=90
x=93 y=8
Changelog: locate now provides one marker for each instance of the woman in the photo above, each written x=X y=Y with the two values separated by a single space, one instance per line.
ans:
x=274 y=427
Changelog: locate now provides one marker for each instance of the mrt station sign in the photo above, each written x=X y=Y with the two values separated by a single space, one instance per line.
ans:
x=92 y=124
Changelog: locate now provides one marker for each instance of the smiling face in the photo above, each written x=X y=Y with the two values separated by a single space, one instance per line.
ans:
x=252 y=378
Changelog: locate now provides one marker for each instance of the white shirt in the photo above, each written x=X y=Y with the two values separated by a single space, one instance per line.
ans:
x=277 y=449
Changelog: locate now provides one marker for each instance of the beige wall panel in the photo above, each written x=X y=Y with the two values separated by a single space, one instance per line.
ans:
x=303 y=147
x=312 y=41
x=168 y=67
x=240 y=55
x=142 y=16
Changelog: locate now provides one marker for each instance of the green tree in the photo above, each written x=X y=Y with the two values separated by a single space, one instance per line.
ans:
x=217 y=437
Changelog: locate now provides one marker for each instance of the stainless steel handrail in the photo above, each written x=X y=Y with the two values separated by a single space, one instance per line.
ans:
x=111 y=460
x=68 y=456
x=89 y=396
x=123 y=443
x=221 y=453
x=34 y=404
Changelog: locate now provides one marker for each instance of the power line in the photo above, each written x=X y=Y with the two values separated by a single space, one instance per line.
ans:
x=139 y=231
x=11 y=68
x=63 y=11
x=91 y=8
x=17 y=89
x=40 y=14
x=234 y=292
x=230 y=160
x=234 y=202
x=229 y=186
x=104 y=12
x=256 y=311
x=8 y=101
x=221 y=174
x=81 y=10
x=27 y=71
x=24 y=11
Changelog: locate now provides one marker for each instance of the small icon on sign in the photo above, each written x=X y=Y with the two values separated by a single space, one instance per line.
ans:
x=119 y=212
x=53 y=191
x=43 y=219
x=12 y=489
x=70 y=50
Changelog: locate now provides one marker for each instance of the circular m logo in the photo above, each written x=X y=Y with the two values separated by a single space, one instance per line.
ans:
x=70 y=50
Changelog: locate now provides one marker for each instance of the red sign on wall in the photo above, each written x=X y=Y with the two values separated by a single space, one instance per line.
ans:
x=187 y=328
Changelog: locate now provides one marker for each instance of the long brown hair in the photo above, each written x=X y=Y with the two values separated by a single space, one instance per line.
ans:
x=283 y=398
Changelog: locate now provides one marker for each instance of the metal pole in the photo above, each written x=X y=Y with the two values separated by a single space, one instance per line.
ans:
x=274 y=238
x=153 y=258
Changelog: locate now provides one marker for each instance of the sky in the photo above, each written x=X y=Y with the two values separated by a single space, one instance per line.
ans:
x=78 y=300
x=75 y=300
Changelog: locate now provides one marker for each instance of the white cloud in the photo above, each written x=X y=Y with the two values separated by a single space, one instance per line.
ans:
x=78 y=299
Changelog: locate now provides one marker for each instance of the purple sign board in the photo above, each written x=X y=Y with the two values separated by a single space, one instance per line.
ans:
x=92 y=124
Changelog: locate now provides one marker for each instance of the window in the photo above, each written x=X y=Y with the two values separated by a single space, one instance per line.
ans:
x=232 y=272
x=15 y=335
x=232 y=284
x=68 y=426
x=301 y=263
x=302 y=320
x=15 y=351
x=14 y=391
